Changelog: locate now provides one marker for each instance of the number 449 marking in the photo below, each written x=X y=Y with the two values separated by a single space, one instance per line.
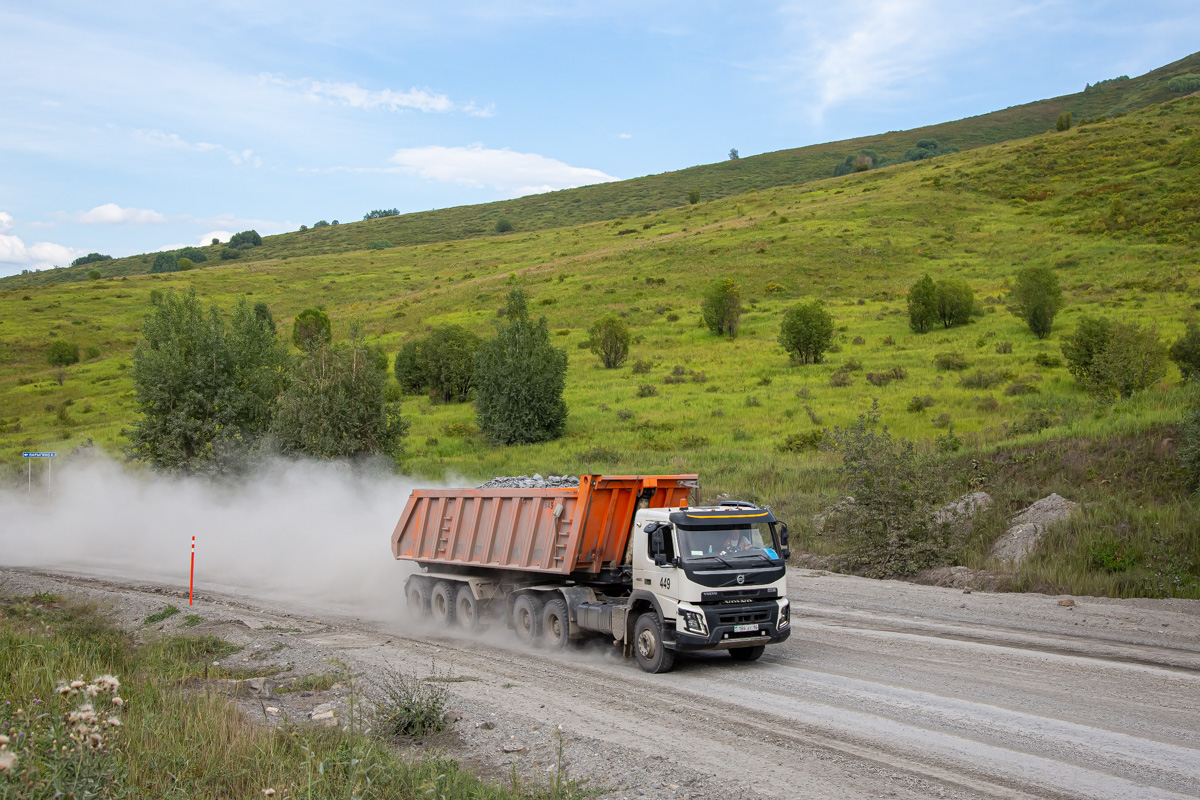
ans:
x=664 y=583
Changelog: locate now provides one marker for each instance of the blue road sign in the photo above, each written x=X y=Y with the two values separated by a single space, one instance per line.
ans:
x=39 y=455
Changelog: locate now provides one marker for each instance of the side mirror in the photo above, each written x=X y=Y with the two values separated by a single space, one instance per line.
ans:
x=657 y=546
x=660 y=559
x=785 y=551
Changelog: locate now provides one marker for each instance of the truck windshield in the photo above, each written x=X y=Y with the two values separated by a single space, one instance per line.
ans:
x=735 y=541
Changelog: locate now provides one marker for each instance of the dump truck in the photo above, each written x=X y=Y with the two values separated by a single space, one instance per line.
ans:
x=623 y=557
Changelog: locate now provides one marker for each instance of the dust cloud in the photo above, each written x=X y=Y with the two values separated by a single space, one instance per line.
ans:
x=313 y=533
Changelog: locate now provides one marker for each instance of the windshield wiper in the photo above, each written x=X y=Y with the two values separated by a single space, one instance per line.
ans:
x=759 y=555
x=713 y=555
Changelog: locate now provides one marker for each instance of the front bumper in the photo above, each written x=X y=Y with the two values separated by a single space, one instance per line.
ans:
x=723 y=621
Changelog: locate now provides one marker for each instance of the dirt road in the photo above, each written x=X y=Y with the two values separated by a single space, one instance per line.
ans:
x=885 y=689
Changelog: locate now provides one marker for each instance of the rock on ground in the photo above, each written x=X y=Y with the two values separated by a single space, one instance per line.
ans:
x=963 y=510
x=536 y=482
x=1028 y=527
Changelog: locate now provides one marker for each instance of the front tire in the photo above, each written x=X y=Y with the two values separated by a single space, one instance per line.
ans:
x=556 y=624
x=418 y=599
x=652 y=656
x=747 y=653
x=441 y=604
x=527 y=619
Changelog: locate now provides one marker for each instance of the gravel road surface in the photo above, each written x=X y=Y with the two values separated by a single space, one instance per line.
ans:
x=885 y=689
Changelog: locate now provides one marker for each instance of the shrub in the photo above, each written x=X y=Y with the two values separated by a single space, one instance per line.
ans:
x=951 y=361
x=165 y=262
x=91 y=352
x=852 y=365
x=184 y=264
x=647 y=390
x=890 y=528
x=988 y=403
x=320 y=224
x=447 y=368
x=262 y=313
x=806 y=332
x=409 y=367
x=981 y=379
x=62 y=353
x=840 y=379
x=90 y=258
x=245 y=240
x=672 y=317
x=1021 y=388
x=1047 y=360
x=879 y=378
x=859 y=340
x=942 y=421
x=955 y=301
x=922 y=305
x=311 y=329
x=519 y=380
x=1034 y=421
x=229 y=253
x=93 y=274
x=641 y=367
x=1189 y=444
x=503 y=226
x=800 y=442
x=1115 y=358
x=408 y=705
x=775 y=288
x=459 y=429
x=1037 y=298
x=379 y=244
x=1185 y=352
x=1064 y=121
x=722 y=307
x=609 y=338
x=752 y=401
x=194 y=254
x=693 y=197
x=1003 y=348
x=919 y=404
x=1184 y=84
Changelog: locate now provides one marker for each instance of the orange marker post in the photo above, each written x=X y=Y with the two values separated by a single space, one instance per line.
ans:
x=192 y=575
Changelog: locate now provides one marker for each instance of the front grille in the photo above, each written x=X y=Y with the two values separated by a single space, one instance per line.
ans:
x=743 y=616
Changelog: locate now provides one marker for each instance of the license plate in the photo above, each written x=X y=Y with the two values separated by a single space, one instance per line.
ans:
x=745 y=628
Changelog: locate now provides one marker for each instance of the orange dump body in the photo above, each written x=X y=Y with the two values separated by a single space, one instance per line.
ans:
x=560 y=531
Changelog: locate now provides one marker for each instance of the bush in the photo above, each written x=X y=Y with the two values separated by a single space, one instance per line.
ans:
x=806 y=332
x=919 y=404
x=722 y=307
x=193 y=254
x=800 y=442
x=610 y=340
x=890 y=528
x=1021 y=388
x=951 y=361
x=1036 y=421
x=1115 y=358
x=1185 y=352
x=93 y=274
x=1064 y=121
x=90 y=258
x=245 y=240
x=879 y=378
x=91 y=352
x=503 y=225
x=443 y=363
x=1037 y=298
x=184 y=265
x=409 y=367
x=379 y=244
x=229 y=253
x=62 y=354
x=311 y=329
x=408 y=705
x=1189 y=445
x=262 y=313
x=1047 y=360
x=641 y=367
x=840 y=379
x=981 y=379
x=955 y=302
x=647 y=390
x=320 y=224
x=519 y=380
x=1003 y=348
x=1183 y=84
x=165 y=262
x=922 y=305
x=693 y=197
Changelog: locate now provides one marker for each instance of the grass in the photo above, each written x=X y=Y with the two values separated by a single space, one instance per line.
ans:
x=159 y=616
x=633 y=203
x=174 y=743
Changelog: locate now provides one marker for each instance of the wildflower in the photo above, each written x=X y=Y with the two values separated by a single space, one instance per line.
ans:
x=114 y=722
x=118 y=702
x=7 y=760
x=77 y=684
x=269 y=792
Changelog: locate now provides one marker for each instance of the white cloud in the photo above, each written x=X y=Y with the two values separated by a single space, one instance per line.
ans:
x=624 y=135
x=355 y=96
x=6 y=222
x=221 y=236
x=505 y=170
x=175 y=141
x=113 y=214
x=15 y=254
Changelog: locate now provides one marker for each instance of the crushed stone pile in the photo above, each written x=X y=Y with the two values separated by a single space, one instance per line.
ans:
x=536 y=482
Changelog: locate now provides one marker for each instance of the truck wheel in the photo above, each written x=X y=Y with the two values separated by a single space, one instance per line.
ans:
x=747 y=653
x=556 y=624
x=527 y=619
x=466 y=608
x=648 y=647
x=441 y=604
x=418 y=599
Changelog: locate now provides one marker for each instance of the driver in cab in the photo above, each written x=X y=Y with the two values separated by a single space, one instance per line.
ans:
x=735 y=543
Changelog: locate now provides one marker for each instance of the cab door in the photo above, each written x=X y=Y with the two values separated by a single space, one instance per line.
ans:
x=654 y=567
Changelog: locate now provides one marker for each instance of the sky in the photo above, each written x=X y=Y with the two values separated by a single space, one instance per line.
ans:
x=130 y=127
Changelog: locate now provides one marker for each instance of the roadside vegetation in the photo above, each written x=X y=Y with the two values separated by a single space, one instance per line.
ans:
x=730 y=370
x=87 y=713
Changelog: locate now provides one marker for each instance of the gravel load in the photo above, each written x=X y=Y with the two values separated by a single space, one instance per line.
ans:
x=536 y=482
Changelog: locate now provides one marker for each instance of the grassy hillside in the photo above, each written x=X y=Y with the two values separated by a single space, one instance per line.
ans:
x=1113 y=206
x=670 y=189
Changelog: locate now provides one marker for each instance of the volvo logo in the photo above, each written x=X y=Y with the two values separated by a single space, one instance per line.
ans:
x=741 y=579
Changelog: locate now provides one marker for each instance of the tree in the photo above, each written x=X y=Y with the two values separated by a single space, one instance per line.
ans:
x=410 y=367
x=922 y=305
x=62 y=354
x=609 y=338
x=215 y=240
x=1184 y=83
x=321 y=224
x=336 y=405
x=519 y=380
x=955 y=301
x=1036 y=298
x=693 y=197
x=165 y=262
x=449 y=369
x=90 y=258
x=184 y=264
x=262 y=313
x=380 y=213
x=245 y=240
x=1185 y=352
x=1134 y=359
x=733 y=154
x=205 y=389
x=1064 y=121
x=503 y=225
x=93 y=274
x=311 y=329
x=806 y=332
x=196 y=255
x=1083 y=348
x=722 y=307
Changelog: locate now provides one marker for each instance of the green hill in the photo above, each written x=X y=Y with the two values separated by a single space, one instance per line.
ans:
x=1113 y=206
x=670 y=189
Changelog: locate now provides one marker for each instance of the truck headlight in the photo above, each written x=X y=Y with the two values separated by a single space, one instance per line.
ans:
x=785 y=614
x=694 y=622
